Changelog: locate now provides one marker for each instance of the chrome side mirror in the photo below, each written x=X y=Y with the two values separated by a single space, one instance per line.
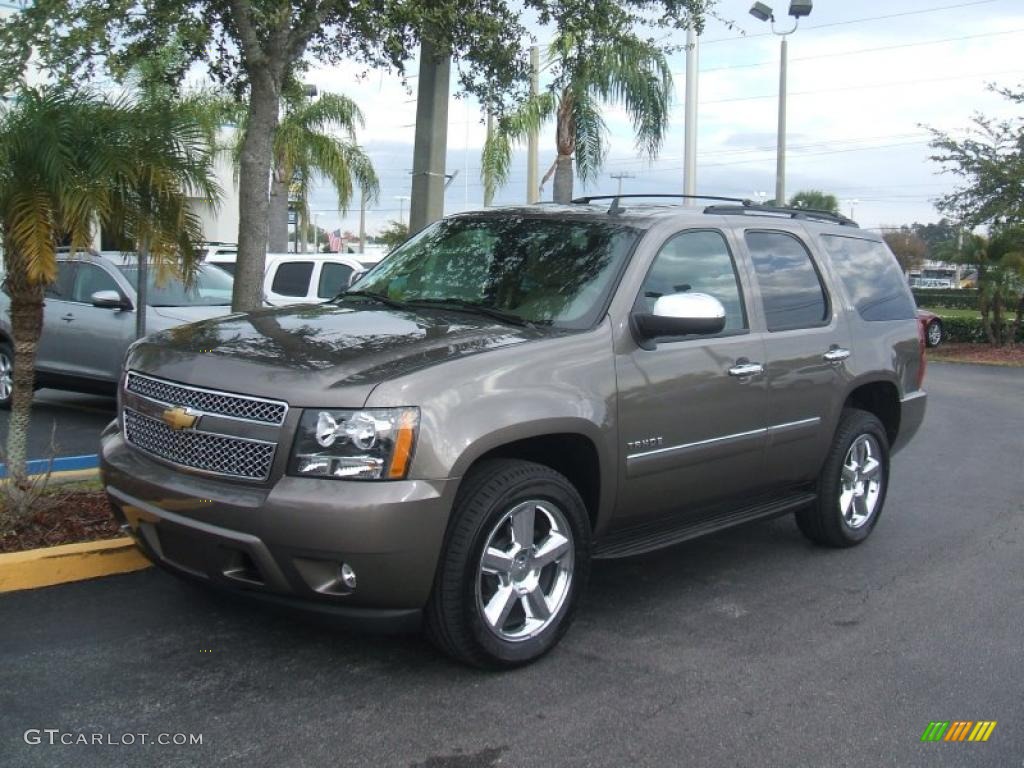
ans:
x=109 y=300
x=681 y=314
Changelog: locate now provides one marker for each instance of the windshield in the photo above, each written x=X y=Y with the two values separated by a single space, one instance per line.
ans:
x=539 y=270
x=212 y=287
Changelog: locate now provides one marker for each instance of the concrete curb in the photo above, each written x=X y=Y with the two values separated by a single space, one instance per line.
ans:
x=48 y=566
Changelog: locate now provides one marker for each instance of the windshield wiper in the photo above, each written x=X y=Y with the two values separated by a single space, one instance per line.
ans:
x=480 y=309
x=387 y=300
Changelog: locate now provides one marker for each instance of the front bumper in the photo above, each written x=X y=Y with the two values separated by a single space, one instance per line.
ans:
x=285 y=541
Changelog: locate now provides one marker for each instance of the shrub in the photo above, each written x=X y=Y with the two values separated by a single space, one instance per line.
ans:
x=969 y=330
x=949 y=298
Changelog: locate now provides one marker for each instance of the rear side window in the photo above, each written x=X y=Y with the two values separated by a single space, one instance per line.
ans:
x=61 y=287
x=333 y=279
x=872 y=278
x=292 y=278
x=791 y=288
x=227 y=266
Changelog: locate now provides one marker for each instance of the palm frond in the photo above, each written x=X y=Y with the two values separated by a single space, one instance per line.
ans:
x=634 y=73
x=591 y=136
x=512 y=128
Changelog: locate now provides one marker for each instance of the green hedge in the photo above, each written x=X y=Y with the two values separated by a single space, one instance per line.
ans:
x=962 y=329
x=946 y=297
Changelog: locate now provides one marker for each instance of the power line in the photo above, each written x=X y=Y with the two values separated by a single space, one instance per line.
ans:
x=861 y=20
x=870 y=86
x=774 y=62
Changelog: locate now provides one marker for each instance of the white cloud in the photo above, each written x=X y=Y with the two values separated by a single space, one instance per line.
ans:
x=854 y=115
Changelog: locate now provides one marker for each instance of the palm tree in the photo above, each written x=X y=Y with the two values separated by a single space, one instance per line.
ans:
x=814 y=199
x=626 y=71
x=69 y=160
x=306 y=144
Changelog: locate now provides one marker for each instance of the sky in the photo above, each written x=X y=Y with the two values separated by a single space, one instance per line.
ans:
x=863 y=79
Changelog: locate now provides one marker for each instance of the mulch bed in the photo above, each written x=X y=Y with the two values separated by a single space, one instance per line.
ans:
x=984 y=354
x=77 y=517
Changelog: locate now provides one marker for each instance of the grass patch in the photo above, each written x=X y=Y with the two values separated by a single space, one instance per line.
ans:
x=968 y=314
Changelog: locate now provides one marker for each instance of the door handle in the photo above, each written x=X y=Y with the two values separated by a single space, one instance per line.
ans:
x=68 y=317
x=744 y=368
x=836 y=355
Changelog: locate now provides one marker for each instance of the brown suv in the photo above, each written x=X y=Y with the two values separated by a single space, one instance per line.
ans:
x=513 y=393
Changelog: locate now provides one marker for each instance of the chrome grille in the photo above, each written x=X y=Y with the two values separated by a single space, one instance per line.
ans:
x=223 y=455
x=208 y=401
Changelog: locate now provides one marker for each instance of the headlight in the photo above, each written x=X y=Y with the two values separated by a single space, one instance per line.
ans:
x=368 y=444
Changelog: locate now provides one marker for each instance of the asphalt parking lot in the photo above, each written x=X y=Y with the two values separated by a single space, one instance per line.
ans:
x=65 y=423
x=750 y=648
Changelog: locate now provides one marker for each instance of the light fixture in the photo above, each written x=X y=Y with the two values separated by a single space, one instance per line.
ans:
x=800 y=8
x=761 y=12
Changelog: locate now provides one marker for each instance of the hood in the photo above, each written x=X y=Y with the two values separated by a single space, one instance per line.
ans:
x=191 y=314
x=324 y=354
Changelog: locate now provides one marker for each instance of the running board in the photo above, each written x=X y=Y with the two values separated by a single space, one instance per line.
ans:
x=665 y=532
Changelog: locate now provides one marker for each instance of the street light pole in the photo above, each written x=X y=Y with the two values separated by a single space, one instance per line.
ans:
x=797 y=9
x=780 y=150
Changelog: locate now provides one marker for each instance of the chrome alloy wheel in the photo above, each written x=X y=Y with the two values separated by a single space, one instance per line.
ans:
x=861 y=483
x=525 y=571
x=934 y=331
x=6 y=376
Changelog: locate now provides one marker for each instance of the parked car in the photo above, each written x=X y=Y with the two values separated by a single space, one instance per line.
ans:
x=89 y=319
x=931 y=326
x=300 y=278
x=515 y=392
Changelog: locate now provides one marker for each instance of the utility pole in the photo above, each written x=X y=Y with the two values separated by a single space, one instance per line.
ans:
x=690 y=140
x=362 y=221
x=431 y=144
x=401 y=208
x=620 y=177
x=533 y=140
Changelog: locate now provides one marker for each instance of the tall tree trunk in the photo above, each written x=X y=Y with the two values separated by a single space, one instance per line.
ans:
x=278 y=241
x=565 y=140
x=563 y=179
x=26 y=324
x=253 y=191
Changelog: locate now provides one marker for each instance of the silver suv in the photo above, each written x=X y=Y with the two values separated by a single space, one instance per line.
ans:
x=89 y=319
x=513 y=393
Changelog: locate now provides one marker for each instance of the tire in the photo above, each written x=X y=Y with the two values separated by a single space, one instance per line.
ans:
x=492 y=513
x=849 y=502
x=933 y=333
x=6 y=375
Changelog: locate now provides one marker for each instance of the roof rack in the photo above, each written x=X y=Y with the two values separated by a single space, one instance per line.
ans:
x=810 y=214
x=743 y=207
x=616 y=198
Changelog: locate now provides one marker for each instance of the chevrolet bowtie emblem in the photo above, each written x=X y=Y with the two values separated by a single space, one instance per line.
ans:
x=179 y=418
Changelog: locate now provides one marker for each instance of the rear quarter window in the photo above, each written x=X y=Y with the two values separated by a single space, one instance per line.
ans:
x=292 y=278
x=872 y=278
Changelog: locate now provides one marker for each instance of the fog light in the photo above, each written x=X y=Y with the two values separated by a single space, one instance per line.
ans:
x=347 y=575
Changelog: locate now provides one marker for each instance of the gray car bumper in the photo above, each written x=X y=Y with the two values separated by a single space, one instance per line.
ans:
x=912 y=409
x=285 y=542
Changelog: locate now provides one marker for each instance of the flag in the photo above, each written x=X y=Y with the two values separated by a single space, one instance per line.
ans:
x=334 y=241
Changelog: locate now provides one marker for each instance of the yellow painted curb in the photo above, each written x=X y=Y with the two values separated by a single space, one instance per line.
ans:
x=69 y=562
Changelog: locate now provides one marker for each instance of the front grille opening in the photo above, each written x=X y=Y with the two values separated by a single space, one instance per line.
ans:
x=182 y=550
x=219 y=454
x=207 y=401
x=239 y=566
